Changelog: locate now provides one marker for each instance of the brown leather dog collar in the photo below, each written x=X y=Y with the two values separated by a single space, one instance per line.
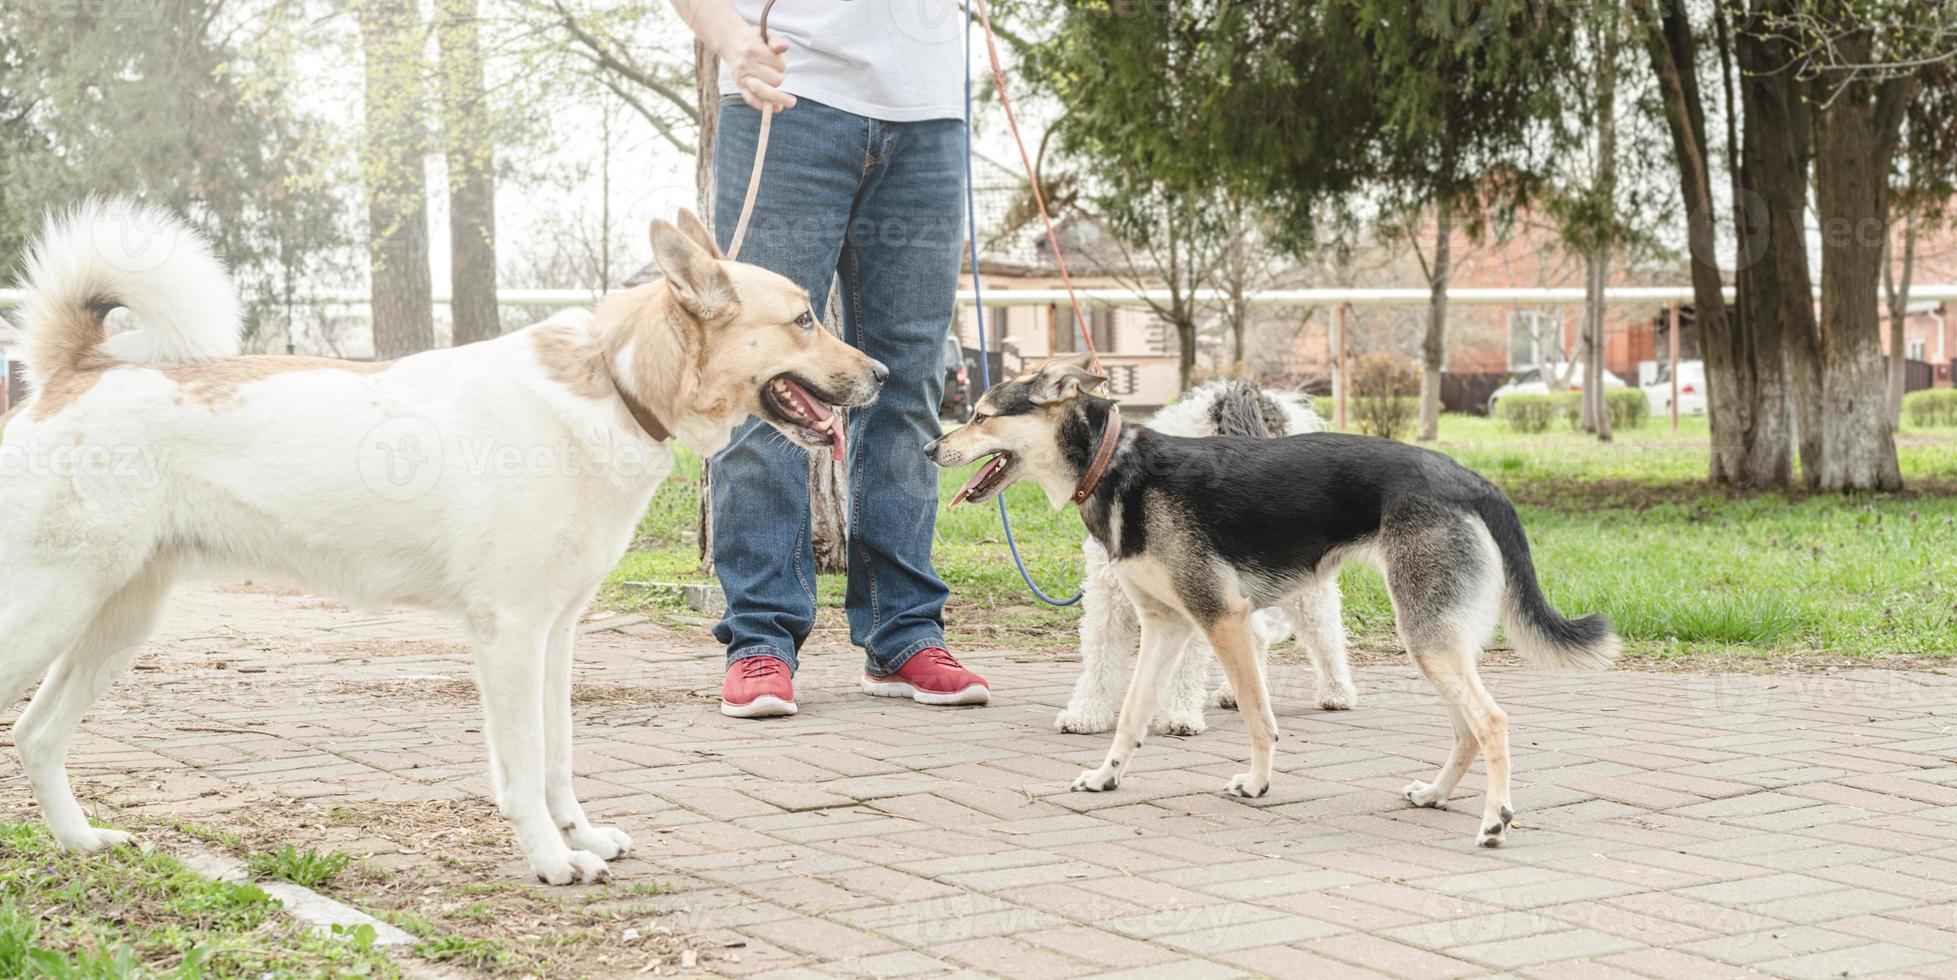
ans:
x=640 y=413
x=644 y=416
x=1110 y=438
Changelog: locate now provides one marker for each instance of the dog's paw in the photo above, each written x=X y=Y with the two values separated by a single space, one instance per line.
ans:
x=1079 y=721
x=570 y=867
x=1424 y=794
x=1224 y=697
x=1339 y=699
x=609 y=843
x=1496 y=830
x=1096 y=781
x=1246 y=785
x=1181 y=723
x=93 y=839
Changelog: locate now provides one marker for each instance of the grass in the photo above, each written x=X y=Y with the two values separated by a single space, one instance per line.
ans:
x=125 y=913
x=307 y=869
x=1627 y=528
x=438 y=945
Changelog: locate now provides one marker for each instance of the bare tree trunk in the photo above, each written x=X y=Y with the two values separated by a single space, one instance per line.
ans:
x=1596 y=407
x=1855 y=139
x=1433 y=349
x=706 y=96
x=1776 y=339
x=1674 y=61
x=469 y=147
x=829 y=479
x=396 y=181
x=1898 y=289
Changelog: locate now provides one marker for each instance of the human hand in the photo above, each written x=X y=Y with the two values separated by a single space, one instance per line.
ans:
x=757 y=67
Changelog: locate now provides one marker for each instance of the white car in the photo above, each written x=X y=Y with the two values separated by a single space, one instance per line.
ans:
x=1691 y=389
x=1532 y=383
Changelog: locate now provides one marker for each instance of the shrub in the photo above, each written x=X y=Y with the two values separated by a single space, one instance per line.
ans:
x=1528 y=413
x=1569 y=405
x=1629 y=407
x=1932 y=407
x=1382 y=402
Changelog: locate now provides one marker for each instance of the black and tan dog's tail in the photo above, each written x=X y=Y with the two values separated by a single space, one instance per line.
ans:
x=1539 y=633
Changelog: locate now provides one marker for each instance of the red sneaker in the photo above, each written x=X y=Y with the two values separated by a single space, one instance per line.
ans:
x=933 y=676
x=757 y=687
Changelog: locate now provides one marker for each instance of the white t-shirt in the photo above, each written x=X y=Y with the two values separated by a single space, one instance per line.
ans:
x=894 y=60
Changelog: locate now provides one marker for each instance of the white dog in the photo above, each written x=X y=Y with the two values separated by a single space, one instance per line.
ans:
x=1110 y=629
x=500 y=481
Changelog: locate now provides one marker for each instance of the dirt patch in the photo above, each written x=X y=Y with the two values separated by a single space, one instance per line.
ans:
x=449 y=873
x=446 y=690
x=370 y=649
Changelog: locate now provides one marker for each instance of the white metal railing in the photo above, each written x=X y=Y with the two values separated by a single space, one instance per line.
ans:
x=1517 y=296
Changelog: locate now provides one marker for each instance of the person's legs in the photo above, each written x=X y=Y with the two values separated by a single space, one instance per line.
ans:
x=899 y=272
x=762 y=550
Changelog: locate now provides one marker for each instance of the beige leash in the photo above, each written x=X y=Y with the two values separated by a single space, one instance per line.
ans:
x=760 y=155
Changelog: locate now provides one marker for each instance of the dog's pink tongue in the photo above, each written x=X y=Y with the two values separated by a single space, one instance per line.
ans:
x=984 y=473
x=821 y=413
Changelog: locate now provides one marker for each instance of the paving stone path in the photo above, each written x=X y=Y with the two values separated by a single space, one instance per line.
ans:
x=1669 y=825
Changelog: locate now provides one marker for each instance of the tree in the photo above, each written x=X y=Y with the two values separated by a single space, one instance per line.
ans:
x=173 y=103
x=468 y=144
x=1745 y=346
x=1243 y=265
x=1923 y=187
x=1822 y=90
x=1857 y=128
x=1175 y=237
x=1595 y=237
x=1298 y=105
x=394 y=174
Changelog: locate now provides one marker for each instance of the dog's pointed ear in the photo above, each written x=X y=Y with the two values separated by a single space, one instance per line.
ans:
x=697 y=230
x=1064 y=378
x=696 y=278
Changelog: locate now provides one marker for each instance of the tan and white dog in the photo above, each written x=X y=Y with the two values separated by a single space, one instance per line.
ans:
x=499 y=481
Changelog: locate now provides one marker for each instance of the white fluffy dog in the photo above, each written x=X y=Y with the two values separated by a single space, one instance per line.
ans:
x=1110 y=630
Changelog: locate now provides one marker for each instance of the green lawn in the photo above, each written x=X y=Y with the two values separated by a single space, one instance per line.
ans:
x=1627 y=528
x=124 y=913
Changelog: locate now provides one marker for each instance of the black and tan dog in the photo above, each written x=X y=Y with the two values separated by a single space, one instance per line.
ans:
x=1204 y=531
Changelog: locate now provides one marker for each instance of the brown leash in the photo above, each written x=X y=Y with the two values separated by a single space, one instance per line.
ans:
x=1103 y=455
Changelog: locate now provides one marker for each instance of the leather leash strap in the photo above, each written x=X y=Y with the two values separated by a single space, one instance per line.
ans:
x=1104 y=454
x=760 y=155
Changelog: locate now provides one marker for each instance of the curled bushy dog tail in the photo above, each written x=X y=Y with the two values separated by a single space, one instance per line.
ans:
x=109 y=253
x=1243 y=409
x=1540 y=634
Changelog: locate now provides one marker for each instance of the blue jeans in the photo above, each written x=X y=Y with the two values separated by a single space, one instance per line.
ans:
x=878 y=205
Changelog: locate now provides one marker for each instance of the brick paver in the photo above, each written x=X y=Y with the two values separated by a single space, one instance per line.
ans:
x=1668 y=825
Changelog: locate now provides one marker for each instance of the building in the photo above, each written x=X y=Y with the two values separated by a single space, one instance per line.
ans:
x=1487 y=340
x=1137 y=348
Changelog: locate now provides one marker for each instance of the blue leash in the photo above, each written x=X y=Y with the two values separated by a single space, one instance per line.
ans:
x=978 y=297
